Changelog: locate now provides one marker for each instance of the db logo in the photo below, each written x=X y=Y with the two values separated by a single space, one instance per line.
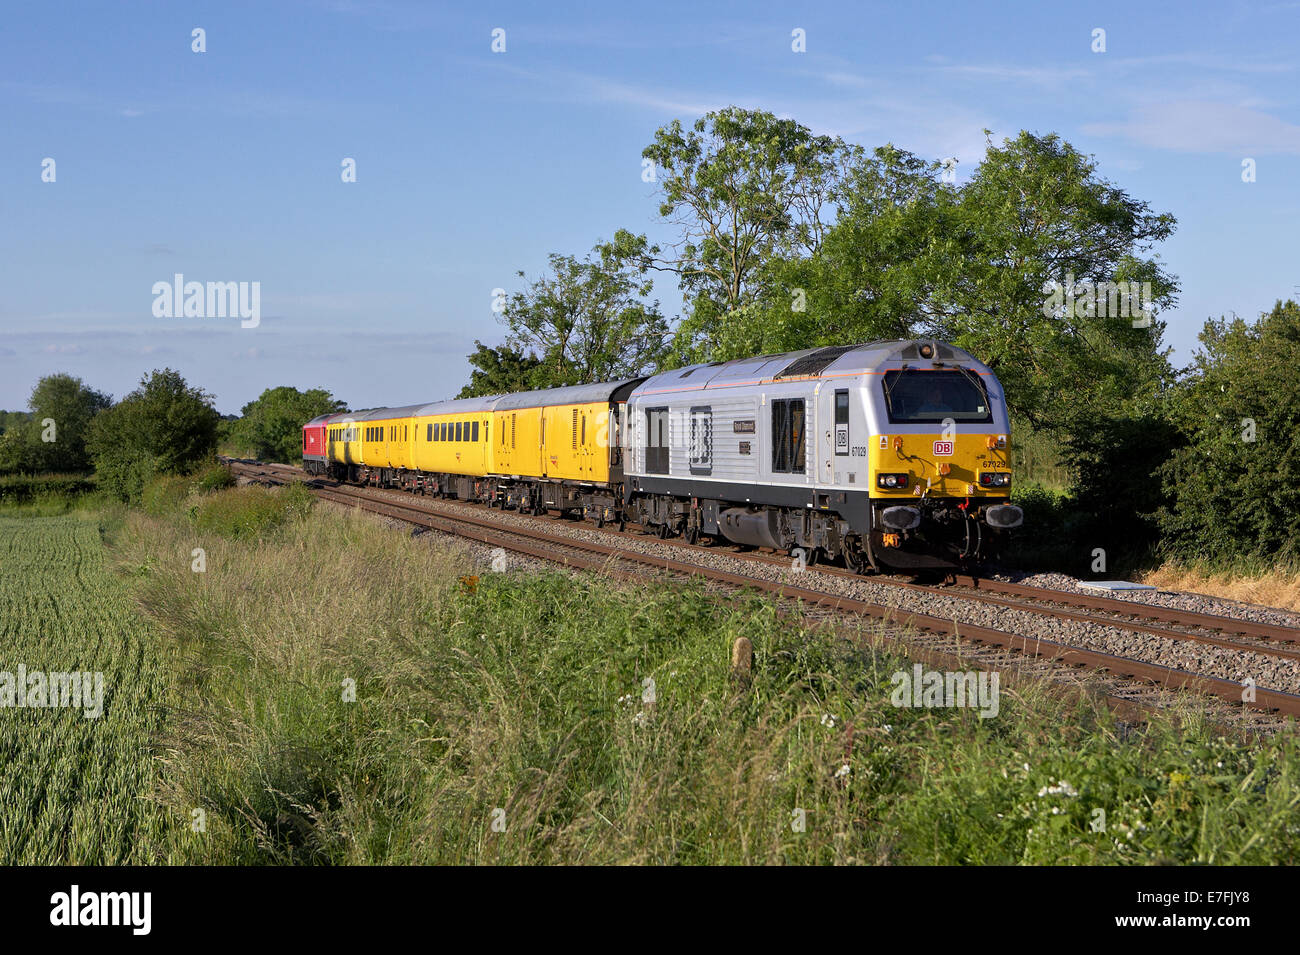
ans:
x=942 y=448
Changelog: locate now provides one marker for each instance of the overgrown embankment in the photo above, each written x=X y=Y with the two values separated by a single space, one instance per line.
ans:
x=352 y=694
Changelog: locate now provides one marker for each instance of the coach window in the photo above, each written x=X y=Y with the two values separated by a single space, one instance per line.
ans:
x=656 y=450
x=475 y=430
x=701 y=440
x=787 y=436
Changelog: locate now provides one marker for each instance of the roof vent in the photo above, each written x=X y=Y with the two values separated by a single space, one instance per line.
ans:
x=814 y=363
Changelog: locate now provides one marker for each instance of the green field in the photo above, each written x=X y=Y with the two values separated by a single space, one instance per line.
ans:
x=330 y=690
x=76 y=789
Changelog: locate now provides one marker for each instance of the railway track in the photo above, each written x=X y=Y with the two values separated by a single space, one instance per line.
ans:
x=1135 y=686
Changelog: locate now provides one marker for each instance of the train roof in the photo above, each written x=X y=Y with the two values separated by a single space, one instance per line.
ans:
x=457 y=406
x=376 y=414
x=568 y=395
x=829 y=361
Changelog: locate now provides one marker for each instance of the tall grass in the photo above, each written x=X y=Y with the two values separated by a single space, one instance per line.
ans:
x=1274 y=585
x=507 y=718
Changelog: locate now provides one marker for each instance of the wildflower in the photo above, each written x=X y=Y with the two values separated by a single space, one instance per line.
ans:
x=1062 y=788
x=842 y=771
x=828 y=721
x=639 y=719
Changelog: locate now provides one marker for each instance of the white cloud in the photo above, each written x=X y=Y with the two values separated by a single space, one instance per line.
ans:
x=1197 y=126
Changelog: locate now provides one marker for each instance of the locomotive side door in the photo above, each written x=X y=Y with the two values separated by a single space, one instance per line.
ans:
x=825 y=401
x=836 y=434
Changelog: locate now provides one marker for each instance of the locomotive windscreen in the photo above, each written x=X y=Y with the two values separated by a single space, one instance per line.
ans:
x=914 y=396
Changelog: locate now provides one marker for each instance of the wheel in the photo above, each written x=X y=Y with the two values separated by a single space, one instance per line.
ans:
x=857 y=555
x=809 y=555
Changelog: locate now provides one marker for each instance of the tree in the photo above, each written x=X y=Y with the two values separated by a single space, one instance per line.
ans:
x=499 y=371
x=1012 y=274
x=270 y=428
x=163 y=427
x=1232 y=485
x=53 y=436
x=742 y=186
x=586 y=321
x=866 y=279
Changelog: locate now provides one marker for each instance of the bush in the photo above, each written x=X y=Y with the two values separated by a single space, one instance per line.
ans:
x=1234 y=494
x=163 y=495
x=163 y=427
x=23 y=489
x=1117 y=490
x=215 y=477
x=251 y=512
x=1042 y=541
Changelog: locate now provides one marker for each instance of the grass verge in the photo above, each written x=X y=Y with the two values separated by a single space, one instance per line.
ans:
x=352 y=694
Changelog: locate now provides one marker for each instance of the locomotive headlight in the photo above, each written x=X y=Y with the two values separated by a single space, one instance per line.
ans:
x=892 y=481
x=995 y=479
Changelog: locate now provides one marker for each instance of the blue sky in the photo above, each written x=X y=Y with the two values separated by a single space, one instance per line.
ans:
x=473 y=165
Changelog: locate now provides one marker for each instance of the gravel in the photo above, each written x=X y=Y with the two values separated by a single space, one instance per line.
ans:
x=1174 y=600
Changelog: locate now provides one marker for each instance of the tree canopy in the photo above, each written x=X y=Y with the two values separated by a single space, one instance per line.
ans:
x=162 y=427
x=53 y=436
x=270 y=427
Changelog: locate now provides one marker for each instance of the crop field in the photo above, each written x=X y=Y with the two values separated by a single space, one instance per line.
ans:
x=76 y=785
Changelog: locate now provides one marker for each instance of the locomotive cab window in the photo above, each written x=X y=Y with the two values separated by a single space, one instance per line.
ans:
x=913 y=396
x=788 y=436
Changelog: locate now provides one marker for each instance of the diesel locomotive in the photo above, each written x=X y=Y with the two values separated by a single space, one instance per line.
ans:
x=889 y=455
